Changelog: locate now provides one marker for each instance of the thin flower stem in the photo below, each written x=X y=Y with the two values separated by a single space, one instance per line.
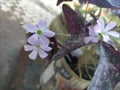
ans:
x=98 y=16
x=93 y=60
x=91 y=57
x=61 y=43
x=68 y=35
x=87 y=71
x=86 y=10
x=93 y=16
x=80 y=73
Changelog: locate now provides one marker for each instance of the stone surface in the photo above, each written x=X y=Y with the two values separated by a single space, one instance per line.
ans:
x=31 y=10
x=11 y=40
x=12 y=36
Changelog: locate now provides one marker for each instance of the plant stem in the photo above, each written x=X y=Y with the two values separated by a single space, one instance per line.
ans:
x=67 y=35
x=61 y=43
x=86 y=10
x=80 y=73
x=87 y=71
x=98 y=16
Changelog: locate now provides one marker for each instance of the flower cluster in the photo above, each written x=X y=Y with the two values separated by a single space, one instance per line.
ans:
x=101 y=32
x=39 y=41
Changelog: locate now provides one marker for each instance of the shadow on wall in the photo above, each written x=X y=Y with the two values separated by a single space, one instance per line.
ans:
x=12 y=35
x=12 y=38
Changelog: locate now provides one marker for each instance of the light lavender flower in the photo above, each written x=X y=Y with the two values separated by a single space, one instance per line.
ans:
x=101 y=29
x=93 y=37
x=40 y=31
x=38 y=48
x=105 y=31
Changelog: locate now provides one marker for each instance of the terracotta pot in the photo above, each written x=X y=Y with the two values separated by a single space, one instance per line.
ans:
x=74 y=79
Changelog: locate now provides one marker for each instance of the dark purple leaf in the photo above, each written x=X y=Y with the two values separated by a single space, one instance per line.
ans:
x=74 y=42
x=107 y=74
x=114 y=3
x=60 y=1
x=116 y=12
x=78 y=30
x=113 y=55
x=106 y=3
x=75 y=20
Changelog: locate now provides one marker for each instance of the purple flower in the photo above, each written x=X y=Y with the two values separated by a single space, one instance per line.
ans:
x=37 y=48
x=105 y=31
x=93 y=37
x=40 y=31
x=101 y=30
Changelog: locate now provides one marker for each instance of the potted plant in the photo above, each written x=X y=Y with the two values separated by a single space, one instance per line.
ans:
x=90 y=36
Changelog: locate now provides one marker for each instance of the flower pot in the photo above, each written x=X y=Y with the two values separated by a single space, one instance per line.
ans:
x=59 y=76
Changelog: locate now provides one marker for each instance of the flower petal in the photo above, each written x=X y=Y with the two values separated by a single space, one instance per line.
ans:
x=106 y=38
x=94 y=39
x=42 y=54
x=110 y=26
x=32 y=39
x=97 y=29
x=44 y=40
x=42 y=25
x=48 y=33
x=31 y=28
x=33 y=55
x=113 y=33
x=101 y=24
x=28 y=47
x=87 y=39
x=91 y=32
x=45 y=48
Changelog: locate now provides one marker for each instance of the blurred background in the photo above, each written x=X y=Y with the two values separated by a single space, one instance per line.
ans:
x=13 y=14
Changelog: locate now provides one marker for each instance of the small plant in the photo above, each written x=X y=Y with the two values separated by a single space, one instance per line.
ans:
x=90 y=32
x=39 y=41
